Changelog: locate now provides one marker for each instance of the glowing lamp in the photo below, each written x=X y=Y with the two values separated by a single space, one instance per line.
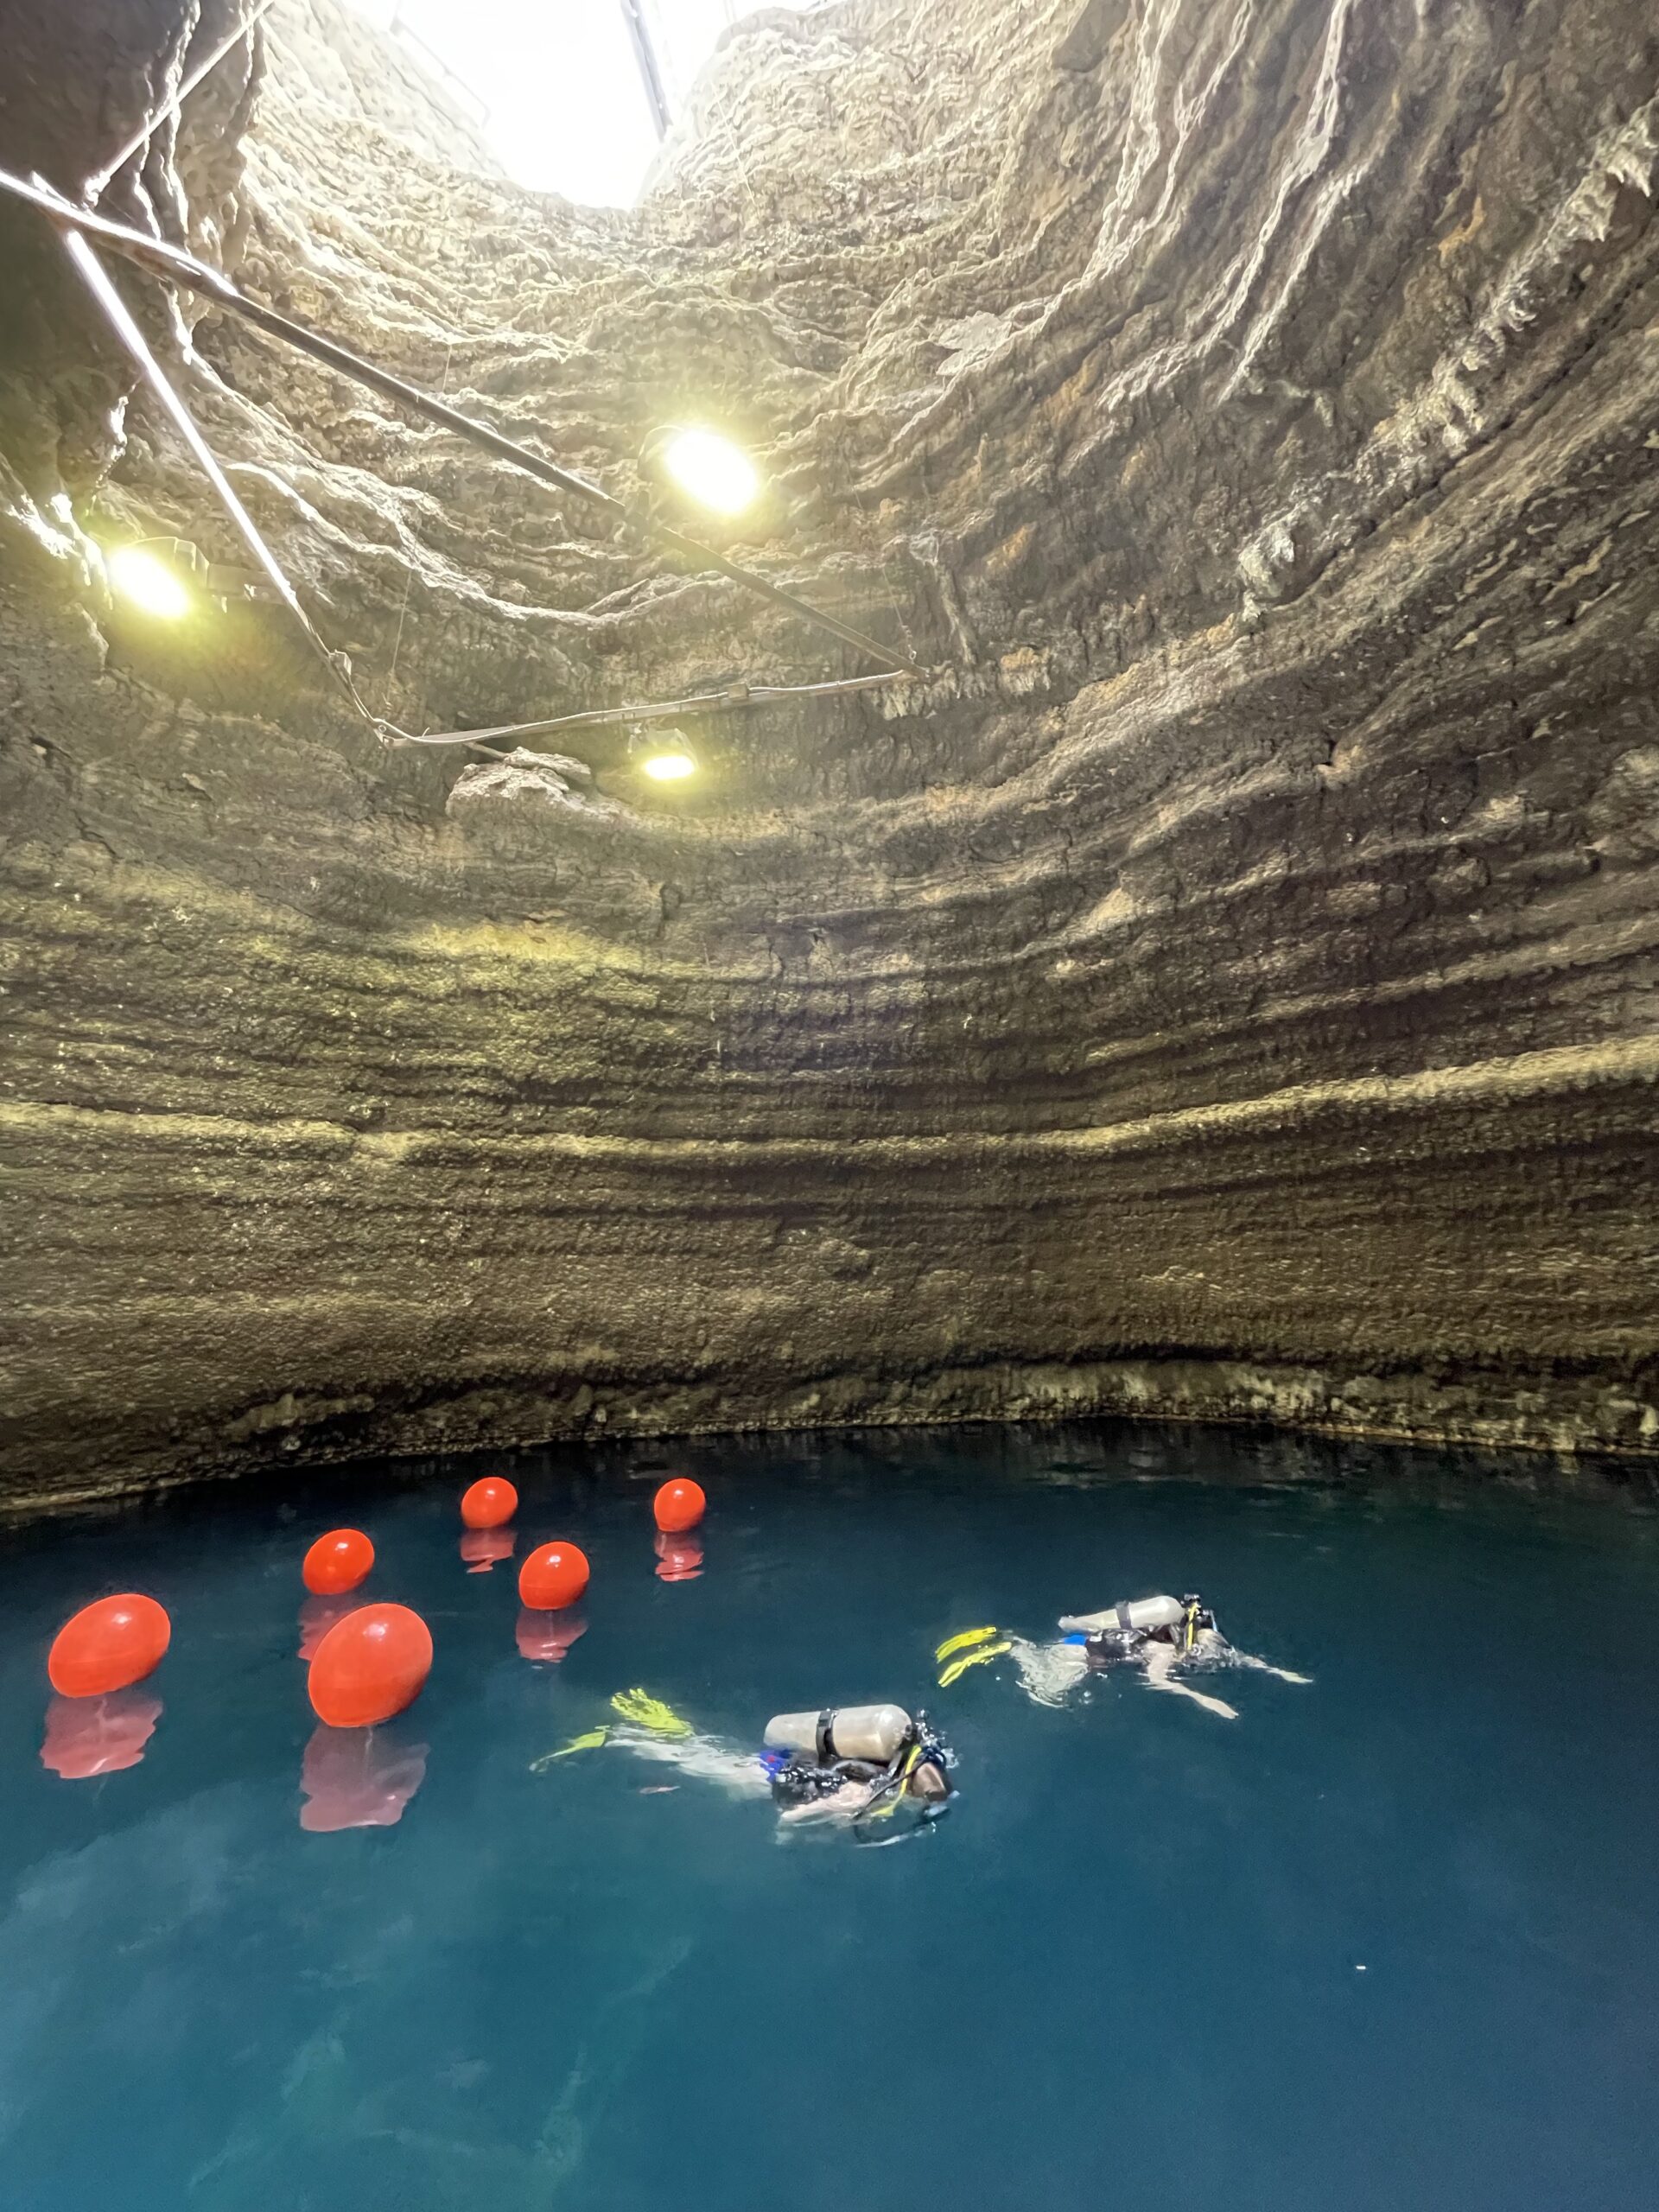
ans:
x=147 y=581
x=710 y=470
x=672 y=764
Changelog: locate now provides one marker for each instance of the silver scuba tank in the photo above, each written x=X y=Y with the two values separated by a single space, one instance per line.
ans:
x=848 y=1731
x=1142 y=1613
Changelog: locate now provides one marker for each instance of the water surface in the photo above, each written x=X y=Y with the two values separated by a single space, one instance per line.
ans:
x=1390 y=1941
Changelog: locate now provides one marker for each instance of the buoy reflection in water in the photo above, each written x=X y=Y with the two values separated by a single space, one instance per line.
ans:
x=89 y=1736
x=679 y=1559
x=483 y=1548
x=548 y=1636
x=358 y=1778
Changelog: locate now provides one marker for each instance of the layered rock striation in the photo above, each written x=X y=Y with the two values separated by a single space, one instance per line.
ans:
x=1225 y=985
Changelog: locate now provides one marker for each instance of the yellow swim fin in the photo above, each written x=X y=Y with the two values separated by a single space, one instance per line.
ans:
x=959 y=1667
x=590 y=1742
x=960 y=1642
x=641 y=1710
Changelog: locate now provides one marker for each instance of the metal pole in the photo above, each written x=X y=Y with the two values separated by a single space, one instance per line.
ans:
x=645 y=54
x=737 y=696
x=169 y=262
x=98 y=282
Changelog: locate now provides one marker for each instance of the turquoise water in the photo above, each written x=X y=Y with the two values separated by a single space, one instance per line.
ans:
x=1126 y=1966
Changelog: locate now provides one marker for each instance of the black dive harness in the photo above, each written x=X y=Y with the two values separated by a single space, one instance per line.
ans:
x=802 y=1782
x=920 y=1747
x=1123 y=1641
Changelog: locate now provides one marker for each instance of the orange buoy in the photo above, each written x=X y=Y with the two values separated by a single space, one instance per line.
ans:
x=554 y=1576
x=337 y=1562
x=489 y=1502
x=108 y=1646
x=369 y=1666
x=679 y=1505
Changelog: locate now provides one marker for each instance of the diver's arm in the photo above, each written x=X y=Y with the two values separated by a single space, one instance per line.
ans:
x=840 y=1805
x=1160 y=1661
x=1216 y=1646
x=1263 y=1667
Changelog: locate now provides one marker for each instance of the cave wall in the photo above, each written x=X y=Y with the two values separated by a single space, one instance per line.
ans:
x=1225 y=986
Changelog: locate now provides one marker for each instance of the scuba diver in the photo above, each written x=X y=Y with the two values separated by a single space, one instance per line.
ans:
x=860 y=1764
x=1161 y=1635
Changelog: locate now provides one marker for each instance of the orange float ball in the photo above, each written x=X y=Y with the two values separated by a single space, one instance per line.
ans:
x=108 y=1645
x=370 y=1666
x=489 y=1502
x=679 y=1505
x=337 y=1562
x=554 y=1576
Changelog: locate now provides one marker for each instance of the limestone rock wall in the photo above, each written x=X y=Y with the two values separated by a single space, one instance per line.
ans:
x=1225 y=986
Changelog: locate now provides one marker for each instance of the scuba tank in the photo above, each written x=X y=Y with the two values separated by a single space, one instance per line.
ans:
x=1143 y=1614
x=876 y=1732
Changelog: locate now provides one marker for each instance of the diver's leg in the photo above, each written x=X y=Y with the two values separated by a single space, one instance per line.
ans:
x=704 y=1757
x=1048 y=1671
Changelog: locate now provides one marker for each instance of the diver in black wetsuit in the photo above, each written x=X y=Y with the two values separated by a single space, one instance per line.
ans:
x=860 y=1764
x=1165 y=1636
x=829 y=1779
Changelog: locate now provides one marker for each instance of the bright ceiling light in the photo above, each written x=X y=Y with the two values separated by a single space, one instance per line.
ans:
x=145 y=579
x=671 y=766
x=711 y=470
